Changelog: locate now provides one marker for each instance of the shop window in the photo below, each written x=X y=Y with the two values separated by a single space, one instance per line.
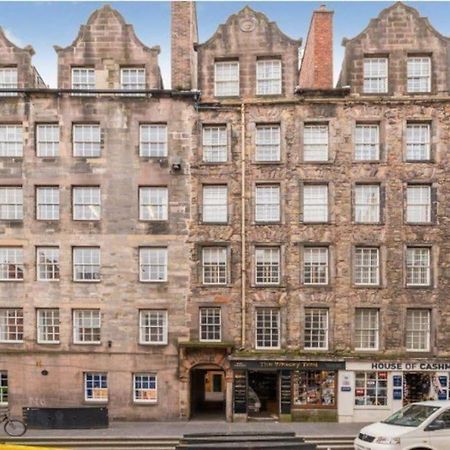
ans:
x=315 y=388
x=371 y=389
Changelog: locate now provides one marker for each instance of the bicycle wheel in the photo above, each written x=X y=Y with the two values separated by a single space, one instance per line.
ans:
x=15 y=427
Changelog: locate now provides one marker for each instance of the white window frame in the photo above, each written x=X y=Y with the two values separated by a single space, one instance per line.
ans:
x=418 y=266
x=367 y=142
x=11 y=203
x=86 y=140
x=215 y=260
x=48 y=325
x=47 y=140
x=9 y=80
x=273 y=334
x=418 y=74
x=8 y=329
x=101 y=380
x=365 y=255
x=315 y=203
x=215 y=144
x=419 y=206
x=47 y=203
x=268 y=143
x=83 y=78
x=316 y=142
x=364 y=318
x=268 y=77
x=226 y=86
x=376 y=381
x=48 y=263
x=86 y=203
x=81 y=319
x=148 y=376
x=418 y=141
x=139 y=81
x=153 y=140
x=153 y=203
x=367 y=203
x=210 y=324
x=215 y=203
x=316 y=329
x=11 y=258
x=315 y=262
x=414 y=334
x=89 y=259
x=153 y=322
x=11 y=141
x=268 y=203
x=267 y=266
x=153 y=260
x=375 y=75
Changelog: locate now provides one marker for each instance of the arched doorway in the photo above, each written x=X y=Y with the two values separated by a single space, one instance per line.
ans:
x=208 y=392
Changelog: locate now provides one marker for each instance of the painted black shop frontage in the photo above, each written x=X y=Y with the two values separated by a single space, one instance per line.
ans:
x=285 y=389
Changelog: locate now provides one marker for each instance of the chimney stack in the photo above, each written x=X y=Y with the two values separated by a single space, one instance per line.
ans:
x=316 y=70
x=183 y=37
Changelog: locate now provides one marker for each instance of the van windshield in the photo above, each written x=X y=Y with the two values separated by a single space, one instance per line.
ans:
x=411 y=415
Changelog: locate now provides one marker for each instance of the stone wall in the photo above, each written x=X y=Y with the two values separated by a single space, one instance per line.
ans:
x=397 y=32
x=106 y=43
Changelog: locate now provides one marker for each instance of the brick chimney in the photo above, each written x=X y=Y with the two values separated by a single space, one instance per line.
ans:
x=316 y=70
x=183 y=37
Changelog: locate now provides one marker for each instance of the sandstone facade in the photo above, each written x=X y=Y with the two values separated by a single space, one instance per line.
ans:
x=246 y=38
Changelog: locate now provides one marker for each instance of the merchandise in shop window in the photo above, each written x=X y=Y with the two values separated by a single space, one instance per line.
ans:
x=371 y=389
x=315 y=388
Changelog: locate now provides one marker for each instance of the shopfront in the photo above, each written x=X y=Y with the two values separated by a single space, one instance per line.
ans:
x=372 y=390
x=285 y=389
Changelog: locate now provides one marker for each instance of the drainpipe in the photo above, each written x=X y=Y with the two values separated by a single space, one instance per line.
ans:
x=243 y=231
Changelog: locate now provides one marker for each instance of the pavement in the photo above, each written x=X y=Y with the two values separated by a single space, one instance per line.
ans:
x=177 y=429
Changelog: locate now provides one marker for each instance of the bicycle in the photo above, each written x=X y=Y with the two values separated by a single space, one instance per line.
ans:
x=13 y=427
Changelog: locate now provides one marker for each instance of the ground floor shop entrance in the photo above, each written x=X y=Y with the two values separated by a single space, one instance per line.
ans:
x=418 y=387
x=285 y=389
x=207 y=393
x=370 y=391
x=263 y=398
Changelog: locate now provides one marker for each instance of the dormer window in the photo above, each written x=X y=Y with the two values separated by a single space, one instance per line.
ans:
x=226 y=79
x=8 y=80
x=375 y=75
x=132 y=78
x=268 y=77
x=83 y=78
x=419 y=74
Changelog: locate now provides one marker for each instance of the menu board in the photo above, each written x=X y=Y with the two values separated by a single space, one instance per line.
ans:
x=285 y=391
x=240 y=392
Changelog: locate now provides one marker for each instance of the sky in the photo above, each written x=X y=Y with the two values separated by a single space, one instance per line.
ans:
x=45 y=24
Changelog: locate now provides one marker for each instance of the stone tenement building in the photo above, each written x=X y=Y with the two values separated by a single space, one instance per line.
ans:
x=253 y=242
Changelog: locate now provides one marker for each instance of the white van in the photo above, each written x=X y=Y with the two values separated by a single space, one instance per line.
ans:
x=418 y=426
